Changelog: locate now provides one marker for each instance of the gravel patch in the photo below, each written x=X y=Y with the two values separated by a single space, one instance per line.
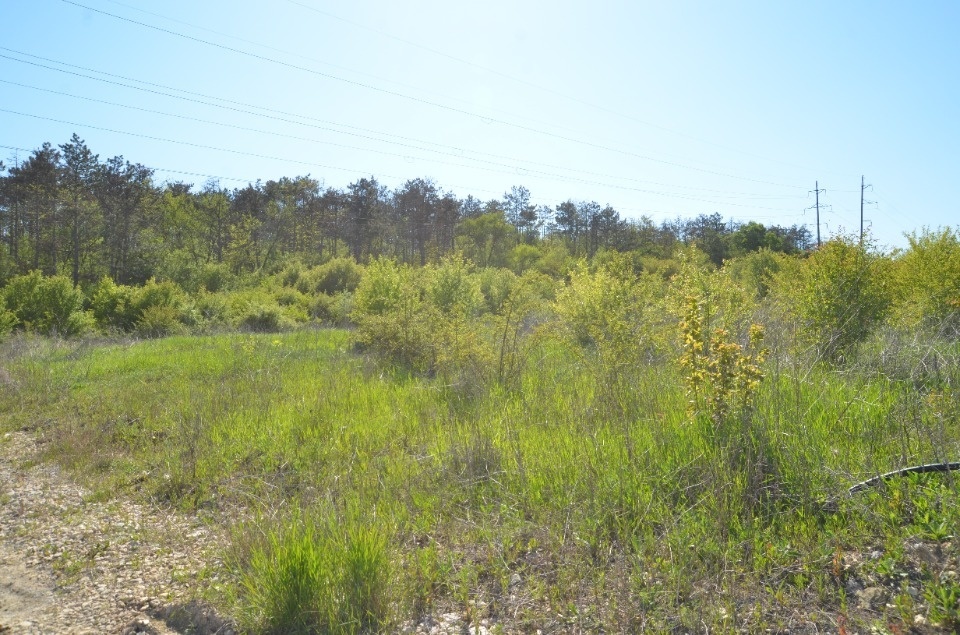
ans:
x=71 y=564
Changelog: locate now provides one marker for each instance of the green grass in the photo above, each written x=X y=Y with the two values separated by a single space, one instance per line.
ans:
x=612 y=507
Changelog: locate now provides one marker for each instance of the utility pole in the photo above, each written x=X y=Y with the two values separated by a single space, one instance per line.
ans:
x=863 y=188
x=816 y=191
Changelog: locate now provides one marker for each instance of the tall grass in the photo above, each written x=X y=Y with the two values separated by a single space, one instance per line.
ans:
x=313 y=574
x=557 y=500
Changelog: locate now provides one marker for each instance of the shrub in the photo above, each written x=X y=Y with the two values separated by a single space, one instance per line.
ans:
x=7 y=323
x=555 y=260
x=609 y=310
x=262 y=318
x=421 y=318
x=756 y=270
x=48 y=305
x=495 y=287
x=154 y=293
x=452 y=289
x=209 y=310
x=290 y=297
x=841 y=293
x=258 y=310
x=153 y=310
x=385 y=288
x=928 y=279
x=332 y=309
x=336 y=276
x=113 y=305
x=159 y=321
x=291 y=274
x=214 y=277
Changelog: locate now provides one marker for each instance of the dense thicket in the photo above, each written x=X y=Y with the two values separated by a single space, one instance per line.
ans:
x=65 y=211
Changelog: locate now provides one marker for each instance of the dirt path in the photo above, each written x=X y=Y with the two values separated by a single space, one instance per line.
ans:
x=26 y=595
x=69 y=564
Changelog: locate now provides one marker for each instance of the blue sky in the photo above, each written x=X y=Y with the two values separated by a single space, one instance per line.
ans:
x=659 y=108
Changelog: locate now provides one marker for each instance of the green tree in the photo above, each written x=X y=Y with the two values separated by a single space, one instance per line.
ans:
x=78 y=171
x=36 y=234
x=125 y=193
x=365 y=204
x=487 y=239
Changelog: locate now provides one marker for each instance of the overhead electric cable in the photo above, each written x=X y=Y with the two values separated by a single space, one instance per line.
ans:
x=417 y=99
x=156 y=169
x=528 y=83
x=453 y=151
x=296 y=161
x=510 y=168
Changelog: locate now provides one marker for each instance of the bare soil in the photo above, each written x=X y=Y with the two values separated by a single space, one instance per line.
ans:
x=70 y=563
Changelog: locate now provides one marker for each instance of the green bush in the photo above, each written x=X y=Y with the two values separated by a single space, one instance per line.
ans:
x=610 y=310
x=48 y=305
x=420 y=318
x=114 y=305
x=756 y=270
x=7 y=323
x=385 y=288
x=209 y=310
x=214 y=277
x=495 y=287
x=153 y=293
x=290 y=297
x=154 y=310
x=336 y=276
x=841 y=293
x=291 y=274
x=928 y=279
x=332 y=309
x=453 y=289
x=258 y=310
x=159 y=321
x=262 y=318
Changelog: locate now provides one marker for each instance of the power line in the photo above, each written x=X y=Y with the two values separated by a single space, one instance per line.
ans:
x=298 y=55
x=452 y=150
x=510 y=168
x=156 y=169
x=417 y=45
x=418 y=100
x=530 y=84
x=546 y=176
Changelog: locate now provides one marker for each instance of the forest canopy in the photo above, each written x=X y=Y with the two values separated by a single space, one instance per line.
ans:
x=64 y=210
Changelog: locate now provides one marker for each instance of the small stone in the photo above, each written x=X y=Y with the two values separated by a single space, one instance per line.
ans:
x=919 y=620
x=872 y=597
x=515 y=580
x=853 y=585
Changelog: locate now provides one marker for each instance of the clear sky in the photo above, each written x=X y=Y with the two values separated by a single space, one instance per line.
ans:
x=665 y=108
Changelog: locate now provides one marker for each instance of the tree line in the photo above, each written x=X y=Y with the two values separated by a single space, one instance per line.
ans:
x=65 y=211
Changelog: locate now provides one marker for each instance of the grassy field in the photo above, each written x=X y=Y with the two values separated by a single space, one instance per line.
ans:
x=363 y=496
